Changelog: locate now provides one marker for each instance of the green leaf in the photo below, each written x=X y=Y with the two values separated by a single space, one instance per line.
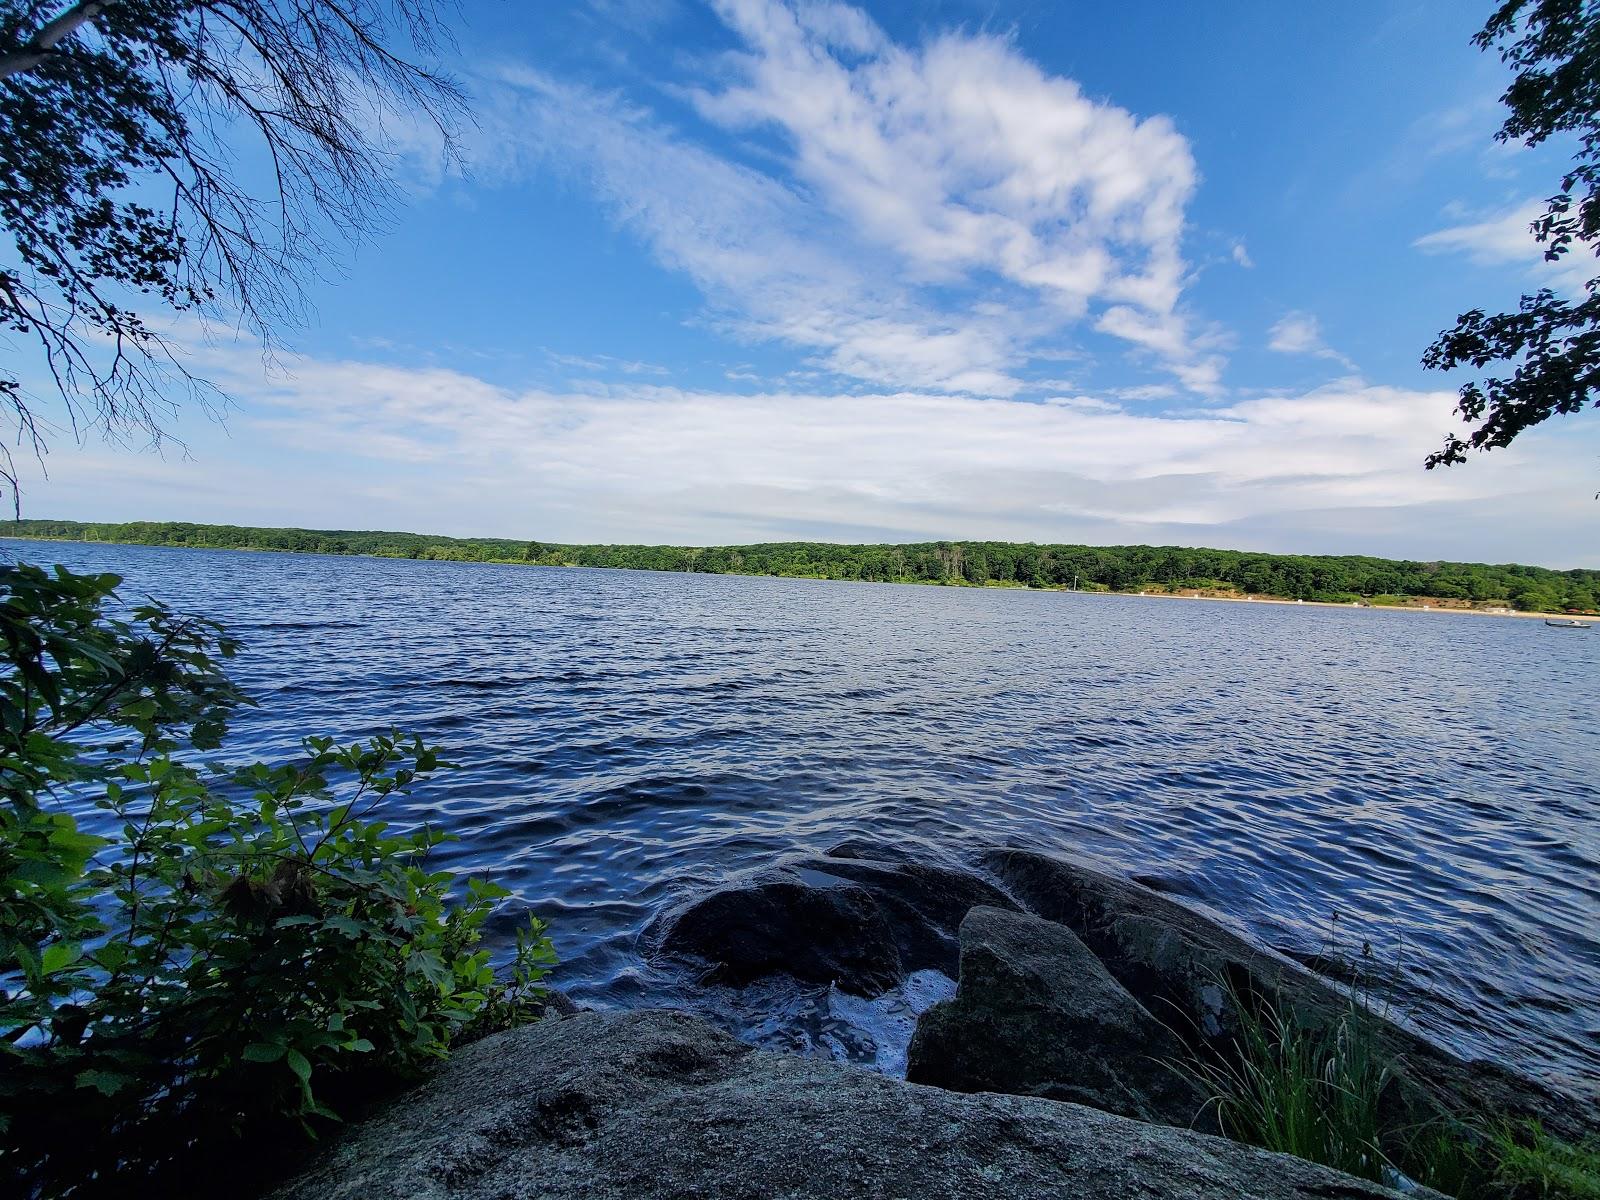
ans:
x=262 y=1052
x=59 y=956
x=107 y=1083
x=299 y=1064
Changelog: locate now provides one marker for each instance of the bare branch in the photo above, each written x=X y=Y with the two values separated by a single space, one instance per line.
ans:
x=107 y=96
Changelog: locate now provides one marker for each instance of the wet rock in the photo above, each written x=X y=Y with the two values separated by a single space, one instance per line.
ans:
x=1175 y=961
x=864 y=924
x=1037 y=1014
x=1182 y=965
x=821 y=932
x=557 y=1003
x=650 y=1105
x=924 y=904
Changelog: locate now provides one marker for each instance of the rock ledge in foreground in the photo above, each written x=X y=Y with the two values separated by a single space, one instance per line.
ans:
x=644 y=1105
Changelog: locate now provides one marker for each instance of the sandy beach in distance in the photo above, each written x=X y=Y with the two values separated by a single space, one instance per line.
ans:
x=1414 y=608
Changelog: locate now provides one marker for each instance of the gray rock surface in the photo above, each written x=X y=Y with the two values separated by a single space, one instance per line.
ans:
x=648 y=1105
x=1176 y=961
x=1037 y=1014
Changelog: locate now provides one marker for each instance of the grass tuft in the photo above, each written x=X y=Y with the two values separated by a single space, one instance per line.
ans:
x=1314 y=1088
x=1531 y=1163
x=1308 y=1090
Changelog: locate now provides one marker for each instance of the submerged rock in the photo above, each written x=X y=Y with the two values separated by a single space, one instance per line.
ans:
x=864 y=924
x=1037 y=1014
x=646 y=1105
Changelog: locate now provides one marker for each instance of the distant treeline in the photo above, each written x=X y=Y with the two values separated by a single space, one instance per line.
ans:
x=1101 y=568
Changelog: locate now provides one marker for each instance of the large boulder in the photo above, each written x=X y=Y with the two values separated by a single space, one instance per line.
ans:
x=861 y=923
x=1037 y=1014
x=1186 y=969
x=648 y=1105
x=817 y=932
x=924 y=903
x=1177 y=962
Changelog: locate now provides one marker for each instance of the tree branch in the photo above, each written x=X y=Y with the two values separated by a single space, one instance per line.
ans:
x=38 y=47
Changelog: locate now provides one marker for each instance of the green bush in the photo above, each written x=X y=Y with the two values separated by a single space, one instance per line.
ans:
x=223 y=949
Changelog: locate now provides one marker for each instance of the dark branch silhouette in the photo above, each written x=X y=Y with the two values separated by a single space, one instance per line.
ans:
x=122 y=200
x=1551 y=345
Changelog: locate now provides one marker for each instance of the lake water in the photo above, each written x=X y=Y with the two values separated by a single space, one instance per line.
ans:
x=1434 y=779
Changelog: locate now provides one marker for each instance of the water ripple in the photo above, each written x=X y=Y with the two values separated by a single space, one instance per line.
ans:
x=1427 y=781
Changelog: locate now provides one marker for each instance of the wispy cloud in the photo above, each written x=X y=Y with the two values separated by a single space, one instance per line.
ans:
x=605 y=364
x=922 y=217
x=1504 y=238
x=1301 y=333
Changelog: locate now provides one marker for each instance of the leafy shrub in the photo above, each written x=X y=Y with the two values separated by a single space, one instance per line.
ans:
x=224 y=948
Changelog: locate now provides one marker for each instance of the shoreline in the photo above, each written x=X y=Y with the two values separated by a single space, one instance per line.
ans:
x=1428 y=608
x=993 y=586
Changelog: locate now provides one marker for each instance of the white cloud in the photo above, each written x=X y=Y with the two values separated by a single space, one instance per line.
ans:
x=1241 y=255
x=605 y=364
x=1301 y=333
x=928 y=215
x=963 y=155
x=770 y=265
x=1168 y=338
x=1505 y=238
x=445 y=451
x=1151 y=391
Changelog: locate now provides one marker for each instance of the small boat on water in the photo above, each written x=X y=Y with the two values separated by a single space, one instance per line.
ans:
x=1567 y=624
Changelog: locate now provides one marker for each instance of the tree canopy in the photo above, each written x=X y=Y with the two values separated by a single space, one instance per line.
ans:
x=125 y=197
x=1337 y=578
x=1550 y=346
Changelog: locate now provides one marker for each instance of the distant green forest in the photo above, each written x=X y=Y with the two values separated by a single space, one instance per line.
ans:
x=1100 y=568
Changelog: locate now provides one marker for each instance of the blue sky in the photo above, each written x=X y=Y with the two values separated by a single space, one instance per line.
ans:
x=743 y=270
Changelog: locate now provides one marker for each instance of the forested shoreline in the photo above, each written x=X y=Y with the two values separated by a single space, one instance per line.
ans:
x=1335 y=579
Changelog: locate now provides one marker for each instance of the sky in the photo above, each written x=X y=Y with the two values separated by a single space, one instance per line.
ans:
x=1050 y=270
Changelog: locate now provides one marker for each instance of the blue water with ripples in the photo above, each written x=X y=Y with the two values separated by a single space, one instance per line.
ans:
x=623 y=736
